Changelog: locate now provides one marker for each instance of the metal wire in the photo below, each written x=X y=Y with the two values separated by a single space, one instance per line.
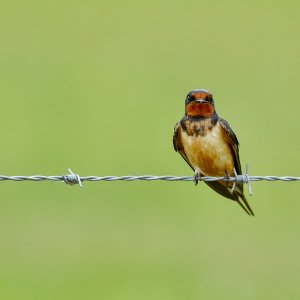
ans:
x=73 y=178
x=67 y=178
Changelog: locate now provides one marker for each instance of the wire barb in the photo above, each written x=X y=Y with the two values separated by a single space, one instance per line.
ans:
x=72 y=178
x=248 y=179
x=243 y=178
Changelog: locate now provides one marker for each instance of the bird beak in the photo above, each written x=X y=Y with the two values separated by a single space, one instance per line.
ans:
x=201 y=101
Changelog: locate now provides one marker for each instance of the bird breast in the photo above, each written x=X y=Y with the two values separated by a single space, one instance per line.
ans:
x=210 y=153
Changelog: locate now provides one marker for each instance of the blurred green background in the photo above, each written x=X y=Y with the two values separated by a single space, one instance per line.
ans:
x=98 y=86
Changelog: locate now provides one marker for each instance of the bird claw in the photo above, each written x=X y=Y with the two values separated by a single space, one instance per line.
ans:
x=227 y=178
x=197 y=177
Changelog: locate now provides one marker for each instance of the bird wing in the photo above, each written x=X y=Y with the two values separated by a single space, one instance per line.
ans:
x=238 y=194
x=177 y=143
x=234 y=144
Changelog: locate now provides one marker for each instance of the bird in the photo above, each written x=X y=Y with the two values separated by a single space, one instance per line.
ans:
x=209 y=146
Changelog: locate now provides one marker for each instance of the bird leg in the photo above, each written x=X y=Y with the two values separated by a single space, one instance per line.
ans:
x=227 y=177
x=197 y=177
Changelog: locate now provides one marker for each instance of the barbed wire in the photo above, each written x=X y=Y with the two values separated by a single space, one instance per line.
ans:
x=73 y=178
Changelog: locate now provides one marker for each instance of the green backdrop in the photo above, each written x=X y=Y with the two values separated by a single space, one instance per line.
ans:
x=97 y=86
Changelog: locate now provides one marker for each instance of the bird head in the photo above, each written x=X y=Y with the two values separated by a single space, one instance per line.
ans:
x=199 y=104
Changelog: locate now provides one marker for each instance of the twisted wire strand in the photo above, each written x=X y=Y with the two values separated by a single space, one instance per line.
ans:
x=68 y=179
x=73 y=178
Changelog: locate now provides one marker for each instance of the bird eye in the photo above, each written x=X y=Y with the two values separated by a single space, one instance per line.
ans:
x=188 y=99
x=209 y=98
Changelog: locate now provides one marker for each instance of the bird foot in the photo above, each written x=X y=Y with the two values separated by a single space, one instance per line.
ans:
x=197 y=177
x=227 y=178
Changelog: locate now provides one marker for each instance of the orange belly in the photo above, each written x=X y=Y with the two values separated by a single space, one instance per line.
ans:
x=210 y=154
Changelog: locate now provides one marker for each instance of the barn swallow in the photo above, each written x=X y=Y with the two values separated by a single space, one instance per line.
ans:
x=209 y=145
